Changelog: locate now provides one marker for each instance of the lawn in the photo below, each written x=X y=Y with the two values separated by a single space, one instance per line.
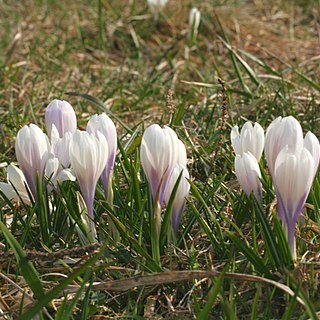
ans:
x=229 y=259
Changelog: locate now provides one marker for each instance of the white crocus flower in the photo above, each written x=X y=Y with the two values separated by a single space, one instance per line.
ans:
x=194 y=22
x=32 y=151
x=250 y=139
x=158 y=154
x=293 y=176
x=248 y=174
x=89 y=156
x=105 y=125
x=248 y=146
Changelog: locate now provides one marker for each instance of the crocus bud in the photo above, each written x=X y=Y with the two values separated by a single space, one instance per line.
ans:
x=89 y=156
x=105 y=125
x=159 y=154
x=181 y=195
x=248 y=174
x=293 y=176
x=157 y=5
x=282 y=132
x=194 y=22
x=61 y=114
x=32 y=151
x=16 y=188
x=60 y=146
x=250 y=139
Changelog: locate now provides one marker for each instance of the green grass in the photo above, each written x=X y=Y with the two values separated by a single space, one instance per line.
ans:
x=119 y=60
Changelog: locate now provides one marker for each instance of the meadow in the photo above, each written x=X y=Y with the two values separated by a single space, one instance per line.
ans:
x=229 y=259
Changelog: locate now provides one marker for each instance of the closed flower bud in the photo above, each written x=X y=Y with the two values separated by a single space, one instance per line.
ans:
x=32 y=151
x=61 y=114
x=159 y=153
x=250 y=139
x=293 y=176
x=105 y=125
x=194 y=22
x=88 y=156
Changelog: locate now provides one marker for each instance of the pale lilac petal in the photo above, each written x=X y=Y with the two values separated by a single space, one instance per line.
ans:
x=181 y=195
x=89 y=156
x=105 y=125
x=32 y=151
x=61 y=114
x=311 y=143
x=248 y=174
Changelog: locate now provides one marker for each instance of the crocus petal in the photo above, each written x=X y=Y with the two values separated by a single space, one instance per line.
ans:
x=105 y=125
x=293 y=176
x=248 y=174
x=16 y=188
x=311 y=143
x=159 y=153
x=32 y=151
x=9 y=191
x=61 y=114
x=181 y=195
x=89 y=156
x=282 y=132
x=65 y=175
x=182 y=152
x=235 y=140
x=61 y=147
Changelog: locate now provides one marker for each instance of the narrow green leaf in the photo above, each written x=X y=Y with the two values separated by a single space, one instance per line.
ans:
x=257 y=262
x=167 y=215
x=28 y=271
x=53 y=293
x=204 y=314
x=65 y=310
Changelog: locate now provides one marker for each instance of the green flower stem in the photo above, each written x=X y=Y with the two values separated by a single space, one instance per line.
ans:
x=112 y=227
x=155 y=231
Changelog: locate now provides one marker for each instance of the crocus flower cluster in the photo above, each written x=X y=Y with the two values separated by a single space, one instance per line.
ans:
x=292 y=161
x=248 y=146
x=163 y=158
x=90 y=153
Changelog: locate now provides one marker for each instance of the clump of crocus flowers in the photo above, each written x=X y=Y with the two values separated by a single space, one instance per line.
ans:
x=163 y=159
x=68 y=153
x=292 y=161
